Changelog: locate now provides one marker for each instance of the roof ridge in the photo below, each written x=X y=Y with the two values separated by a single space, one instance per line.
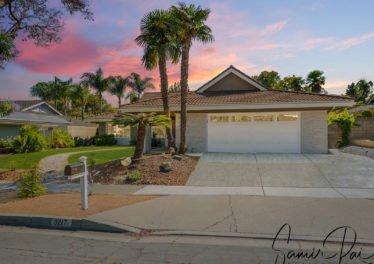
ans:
x=303 y=92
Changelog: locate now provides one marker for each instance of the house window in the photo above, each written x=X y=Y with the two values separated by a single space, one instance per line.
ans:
x=287 y=117
x=119 y=130
x=241 y=118
x=219 y=119
x=263 y=118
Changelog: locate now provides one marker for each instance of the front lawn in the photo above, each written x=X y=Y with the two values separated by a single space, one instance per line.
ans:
x=30 y=160
x=100 y=157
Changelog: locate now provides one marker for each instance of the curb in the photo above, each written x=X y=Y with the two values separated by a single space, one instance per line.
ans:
x=59 y=223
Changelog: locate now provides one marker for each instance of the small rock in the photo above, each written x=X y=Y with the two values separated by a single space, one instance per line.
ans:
x=171 y=151
x=165 y=166
x=177 y=157
x=126 y=162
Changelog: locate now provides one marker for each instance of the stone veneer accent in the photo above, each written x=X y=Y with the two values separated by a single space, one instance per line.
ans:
x=196 y=135
x=314 y=132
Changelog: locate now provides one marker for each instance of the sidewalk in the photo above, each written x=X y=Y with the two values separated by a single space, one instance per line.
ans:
x=245 y=215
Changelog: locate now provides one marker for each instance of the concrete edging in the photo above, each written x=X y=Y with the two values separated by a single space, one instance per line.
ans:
x=60 y=223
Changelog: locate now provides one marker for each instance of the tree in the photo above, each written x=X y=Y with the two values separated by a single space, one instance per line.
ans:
x=268 y=78
x=63 y=91
x=188 y=25
x=43 y=90
x=37 y=20
x=175 y=87
x=96 y=81
x=142 y=121
x=139 y=84
x=5 y=108
x=360 y=91
x=159 y=45
x=315 y=80
x=80 y=95
x=117 y=87
x=291 y=83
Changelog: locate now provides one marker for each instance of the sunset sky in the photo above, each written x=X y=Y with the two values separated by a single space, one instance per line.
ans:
x=290 y=36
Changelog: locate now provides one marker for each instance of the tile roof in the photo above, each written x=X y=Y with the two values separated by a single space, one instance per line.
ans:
x=229 y=98
x=30 y=117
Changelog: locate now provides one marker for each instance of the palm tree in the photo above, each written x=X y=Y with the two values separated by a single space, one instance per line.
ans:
x=117 y=87
x=315 y=80
x=96 y=81
x=139 y=85
x=81 y=95
x=188 y=25
x=43 y=90
x=159 y=45
x=142 y=121
x=63 y=90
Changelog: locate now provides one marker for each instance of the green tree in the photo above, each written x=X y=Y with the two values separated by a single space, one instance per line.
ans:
x=96 y=81
x=360 y=91
x=315 y=80
x=80 y=95
x=268 y=79
x=291 y=83
x=188 y=26
x=142 y=121
x=175 y=87
x=117 y=87
x=37 y=20
x=139 y=85
x=5 y=108
x=159 y=46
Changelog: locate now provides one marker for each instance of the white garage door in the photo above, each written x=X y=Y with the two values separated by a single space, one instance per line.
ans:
x=254 y=132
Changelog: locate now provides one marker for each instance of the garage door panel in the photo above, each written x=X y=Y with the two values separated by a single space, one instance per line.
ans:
x=254 y=136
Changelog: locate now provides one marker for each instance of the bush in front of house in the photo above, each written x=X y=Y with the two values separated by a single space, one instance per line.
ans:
x=31 y=185
x=83 y=142
x=104 y=140
x=345 y=122
x=367 y=113
x=134 y=176
x=61 y=139
x=6 y=145
x=30 y=139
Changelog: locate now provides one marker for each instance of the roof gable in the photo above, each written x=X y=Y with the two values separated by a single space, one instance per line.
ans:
x=231 y=80
x=43 y=108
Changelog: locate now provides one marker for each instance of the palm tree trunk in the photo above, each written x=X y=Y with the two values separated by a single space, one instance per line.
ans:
x=165 y=96
x=184 y=94
x=119 y=102
x=101 y=102
x=82 y=112
x=139 y=147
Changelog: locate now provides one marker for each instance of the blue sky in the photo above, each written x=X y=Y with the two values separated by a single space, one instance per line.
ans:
x=291 y=37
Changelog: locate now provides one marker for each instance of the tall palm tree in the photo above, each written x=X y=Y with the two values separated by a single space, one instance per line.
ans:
x=159 y=45
x=63 y=91
x=139 y=84
x=315 y=80
x=80 y=95
x=142 y=121
x=188 y=25
x=96 y=81
x=117 y=87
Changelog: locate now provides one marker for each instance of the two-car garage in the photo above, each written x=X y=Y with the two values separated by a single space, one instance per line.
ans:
x=276 y=132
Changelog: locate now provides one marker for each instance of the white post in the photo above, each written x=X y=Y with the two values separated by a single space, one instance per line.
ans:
x=84 y=184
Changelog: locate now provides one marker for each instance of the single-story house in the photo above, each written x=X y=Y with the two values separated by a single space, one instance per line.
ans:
x=234 y=113
x=42 y=114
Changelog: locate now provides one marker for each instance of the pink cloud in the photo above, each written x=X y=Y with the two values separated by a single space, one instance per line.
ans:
x=72 y=56
x=351 y=42
x=274 y=28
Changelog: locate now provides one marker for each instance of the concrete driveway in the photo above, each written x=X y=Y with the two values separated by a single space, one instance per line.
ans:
x=338 y=170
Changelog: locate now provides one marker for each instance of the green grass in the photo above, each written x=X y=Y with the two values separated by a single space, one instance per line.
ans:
x=30 y=160
x=103 y=156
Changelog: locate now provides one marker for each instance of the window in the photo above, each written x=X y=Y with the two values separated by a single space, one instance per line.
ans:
x=263 y=118
x=219 y=119
x=287 y=117
x=241 y=118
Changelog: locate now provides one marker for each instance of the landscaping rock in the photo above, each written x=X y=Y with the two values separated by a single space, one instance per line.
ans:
x=126 y=162
x=177 y=157
x=171 y=151
x=165 y=166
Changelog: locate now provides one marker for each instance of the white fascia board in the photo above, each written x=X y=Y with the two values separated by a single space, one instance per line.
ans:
x=41 y=103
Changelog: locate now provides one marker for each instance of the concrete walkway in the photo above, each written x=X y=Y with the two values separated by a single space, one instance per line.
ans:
x=245 y=215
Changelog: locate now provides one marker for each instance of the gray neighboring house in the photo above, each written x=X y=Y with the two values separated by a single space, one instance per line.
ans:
x=234 y=113
x=42 y=114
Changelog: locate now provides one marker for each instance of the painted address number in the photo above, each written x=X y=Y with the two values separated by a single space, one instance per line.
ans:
x=58 y=222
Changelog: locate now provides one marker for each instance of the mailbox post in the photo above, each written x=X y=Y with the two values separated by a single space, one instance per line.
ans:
x=84 y=184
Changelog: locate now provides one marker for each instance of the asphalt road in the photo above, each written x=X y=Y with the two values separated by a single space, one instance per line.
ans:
x=23 y=245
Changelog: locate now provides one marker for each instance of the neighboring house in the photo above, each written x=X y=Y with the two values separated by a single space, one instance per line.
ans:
x=42 y=114
x=368 y=106
x=234 y=113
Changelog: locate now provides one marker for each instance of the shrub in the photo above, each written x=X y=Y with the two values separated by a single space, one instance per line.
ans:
x=83 y=142
x=104 y=140
x=6 y=143
x=367 y=113
x=345 y=122
x=134 y=175
x=30 y=139
x=5 y=108
x=31 y=185
x=61 y=139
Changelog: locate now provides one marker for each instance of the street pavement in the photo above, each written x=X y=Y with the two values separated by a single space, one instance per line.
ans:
x=23 y=245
